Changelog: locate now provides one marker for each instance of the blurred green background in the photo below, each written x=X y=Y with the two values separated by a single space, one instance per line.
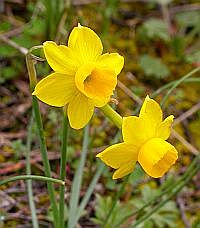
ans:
x=159 y=40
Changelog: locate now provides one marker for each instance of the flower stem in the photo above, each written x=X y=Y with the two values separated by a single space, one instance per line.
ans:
x=32 y=177
x=32 y=79
x=43 y=149
x=76 y=185
x=112 y=115
x=31 y=71
x=63 y=162
x=28 y=172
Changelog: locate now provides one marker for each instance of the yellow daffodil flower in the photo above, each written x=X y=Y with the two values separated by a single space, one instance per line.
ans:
x=144 y=141
x=84 y=78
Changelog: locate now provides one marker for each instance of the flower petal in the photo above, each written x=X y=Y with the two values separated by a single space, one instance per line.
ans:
x=151 y=112
x=112 y=61
x=97 y=84
x=60 y=58
x=164 y=129
x=135 y=131
x=80 y=110
x=85 y=43
x=118 y=154
x=100 y=103
x=156 y=157
x=56 y=89
x=124 y=170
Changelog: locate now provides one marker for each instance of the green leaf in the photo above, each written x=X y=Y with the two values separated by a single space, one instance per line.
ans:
x=162 y=2
x=102 y=207
x=24 y=40
x=37 y=27
x=5 y=26
x=196 y=223
x=50 y=213
x=18 y=147
x=166 y=216
x=178 y=45
x=193 y=57
x=188 y=19
x=7 y=51
x=7 y=73
x=137 y=175
x=153 y=67
x=154 y=29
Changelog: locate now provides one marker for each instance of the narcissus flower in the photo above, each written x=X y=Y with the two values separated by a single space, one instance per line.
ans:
x=144 y=141
x=84 y=78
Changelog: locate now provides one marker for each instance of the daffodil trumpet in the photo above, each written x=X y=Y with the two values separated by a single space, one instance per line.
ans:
x=83 y=77
x=144 y=142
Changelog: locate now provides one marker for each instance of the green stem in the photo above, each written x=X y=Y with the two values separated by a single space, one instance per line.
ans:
x=166 y=86
x=43 y=149
x=89 y=192
x=63 y=162
x=117 y=120
x=47 y=170
x=76 y=185
x=31 y=71
x=32 y=177
x=93 y=184
x=112 y=115
x=177 y=83
x=28 y=172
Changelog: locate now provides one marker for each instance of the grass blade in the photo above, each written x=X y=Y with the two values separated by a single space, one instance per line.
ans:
x=32 y=177
x=28 y=172
x=171 y=194
x=93 y=183
x=89 y=192
x=177 y=83
x=76 y=185
x=63 y=170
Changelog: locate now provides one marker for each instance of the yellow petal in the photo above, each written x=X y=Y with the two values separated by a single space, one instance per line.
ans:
x=95 y=83
x=60 y=58
x=164 y=129
x=85 y=43
x=156 y=156
x=80 y=110
x=124 y=170
x=113 y=62
x=56 y=89
x=151 y=113
x=118 y=154
x=100 y=103
x=135 y=131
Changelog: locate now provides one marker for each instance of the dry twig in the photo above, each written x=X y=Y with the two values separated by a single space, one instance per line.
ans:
x=181 y=206
x=129 y=92
x=189 y=146
x=186 y=114
x=23 y=50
